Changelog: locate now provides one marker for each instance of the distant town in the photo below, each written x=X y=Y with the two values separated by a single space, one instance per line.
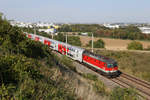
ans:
x=50 y=28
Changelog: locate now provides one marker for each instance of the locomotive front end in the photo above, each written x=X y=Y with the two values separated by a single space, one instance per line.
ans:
x=112 y=70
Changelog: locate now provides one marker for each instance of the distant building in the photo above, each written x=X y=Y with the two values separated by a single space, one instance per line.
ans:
x=145 y=30
x=113 y=26
x=48 y=31
x=21 y=24
x=41 y=24
x=49 y=28
x=84 y=34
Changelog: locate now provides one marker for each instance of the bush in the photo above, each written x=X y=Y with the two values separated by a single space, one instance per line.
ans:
x=97 y=44
x=14 y=68
x=89 y=34
x=135 y=46
x=100 y=87
x=33 y=49
x=68 y=62
x=60 y=37
x=124 y=94
x=74 y=40
x=79 y=33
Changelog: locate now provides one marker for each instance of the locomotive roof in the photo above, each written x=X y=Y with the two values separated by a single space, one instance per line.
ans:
x=100 y=57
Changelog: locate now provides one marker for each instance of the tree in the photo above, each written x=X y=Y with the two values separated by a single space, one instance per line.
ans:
x=127 y=32
x=135 y=46
x=60 y=37
x=97 y=44
x=74 y=40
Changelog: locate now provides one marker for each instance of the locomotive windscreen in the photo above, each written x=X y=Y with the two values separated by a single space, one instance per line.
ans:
x=111 y=65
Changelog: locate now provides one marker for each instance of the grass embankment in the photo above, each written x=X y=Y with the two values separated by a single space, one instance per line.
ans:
x=114 y=94
x=136 y=64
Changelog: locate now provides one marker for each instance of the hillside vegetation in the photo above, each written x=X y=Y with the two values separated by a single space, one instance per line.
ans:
x=27 y=68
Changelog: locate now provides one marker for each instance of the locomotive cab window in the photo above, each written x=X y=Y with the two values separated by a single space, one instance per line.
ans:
x=115 y=65
x=109 y=65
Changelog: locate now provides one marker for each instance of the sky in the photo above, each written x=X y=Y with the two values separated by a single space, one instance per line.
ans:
x=77 y=11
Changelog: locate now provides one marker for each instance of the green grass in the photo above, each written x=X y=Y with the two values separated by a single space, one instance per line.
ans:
x=67 y=62
x=116 y=93
x=98 y=85
x=124 y=94
x=90 y=76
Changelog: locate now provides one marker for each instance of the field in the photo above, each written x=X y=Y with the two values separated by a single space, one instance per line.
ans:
x=112 y=44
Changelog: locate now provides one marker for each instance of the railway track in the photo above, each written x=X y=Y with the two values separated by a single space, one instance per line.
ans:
x=126 y=81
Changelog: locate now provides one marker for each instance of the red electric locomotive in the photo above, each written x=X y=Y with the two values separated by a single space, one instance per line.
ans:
x=104 y=65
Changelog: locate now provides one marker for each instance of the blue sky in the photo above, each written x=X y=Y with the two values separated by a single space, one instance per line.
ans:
x=77 y=11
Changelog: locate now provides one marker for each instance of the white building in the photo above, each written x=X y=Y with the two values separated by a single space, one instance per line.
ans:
x=49 y=31
x=51 y=28
x=111 y=26
x=145 y=30
x=21 y=24
x=40 y=24
x=84 y=34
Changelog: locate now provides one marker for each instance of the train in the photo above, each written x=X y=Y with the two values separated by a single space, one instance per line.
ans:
x=104 y=65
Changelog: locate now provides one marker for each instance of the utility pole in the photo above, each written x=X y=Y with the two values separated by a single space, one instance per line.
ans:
x=34 y=30
x=52 y=35
x=66 y=44
x=92 y=42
